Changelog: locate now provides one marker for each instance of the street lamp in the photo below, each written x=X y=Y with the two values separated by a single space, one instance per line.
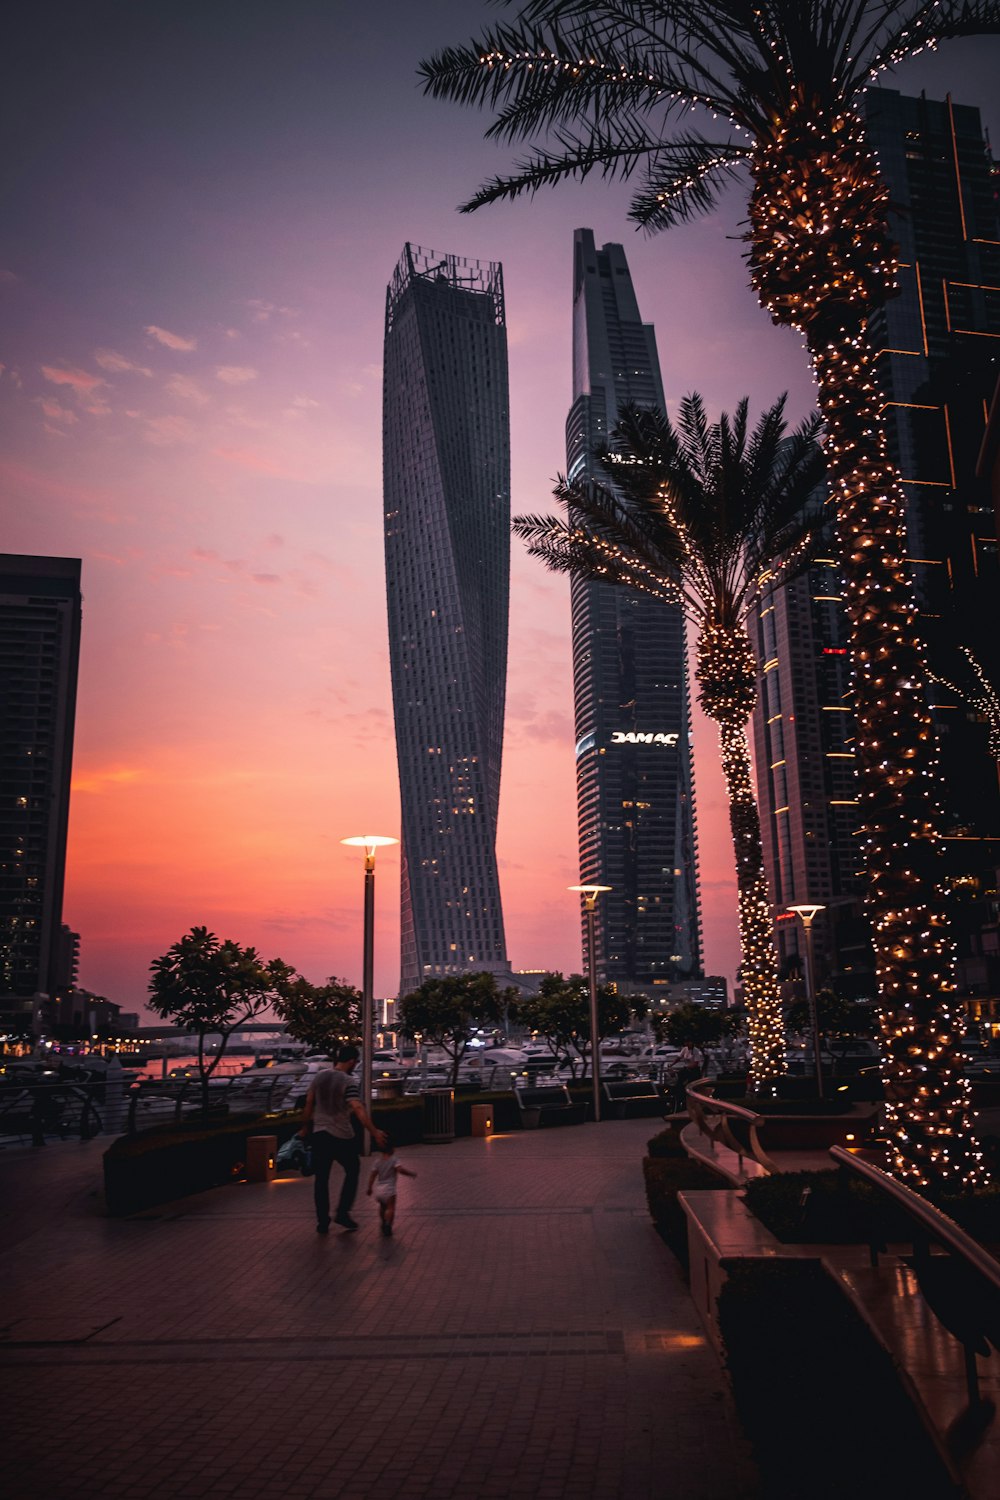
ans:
x=369 y=842
x=590 y=894
x=806 y=913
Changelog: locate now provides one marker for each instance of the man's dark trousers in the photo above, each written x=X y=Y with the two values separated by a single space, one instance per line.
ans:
x=326 y=1150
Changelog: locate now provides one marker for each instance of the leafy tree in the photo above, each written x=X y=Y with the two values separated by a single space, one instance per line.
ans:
x=445 y=1012
x=697 y=1026
x=699 y=515
x=842 y=1017
x=324 y=1016
x=607 y=81
x=211 y=988
x=560 y=1013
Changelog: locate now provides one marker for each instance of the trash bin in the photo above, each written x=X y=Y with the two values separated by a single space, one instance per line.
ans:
x=261 y=1152
x=439 y=1115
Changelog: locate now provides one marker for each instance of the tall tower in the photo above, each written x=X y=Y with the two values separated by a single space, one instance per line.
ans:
x=633 y=739
x=446 y=485
x=40 y=609
x=938 y=363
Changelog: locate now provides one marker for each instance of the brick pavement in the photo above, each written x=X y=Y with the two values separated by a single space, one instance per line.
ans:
x=525 y=1334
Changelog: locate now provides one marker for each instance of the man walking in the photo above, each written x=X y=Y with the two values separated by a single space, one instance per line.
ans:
x=332 y=1106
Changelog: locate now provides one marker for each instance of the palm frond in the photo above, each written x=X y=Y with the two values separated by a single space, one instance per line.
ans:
x=684 y=180
x=932 y=22
x=578 y=156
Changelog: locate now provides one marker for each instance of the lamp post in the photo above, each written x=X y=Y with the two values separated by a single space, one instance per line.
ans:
x=590 y=894
x=369 y=842
x=806 y=913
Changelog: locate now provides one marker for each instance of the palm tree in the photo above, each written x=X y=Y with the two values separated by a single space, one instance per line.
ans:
x=701 y=516
x=605 y=80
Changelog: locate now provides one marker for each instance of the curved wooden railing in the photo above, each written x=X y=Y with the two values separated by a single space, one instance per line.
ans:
x=961 y=1287
x=712 y=1117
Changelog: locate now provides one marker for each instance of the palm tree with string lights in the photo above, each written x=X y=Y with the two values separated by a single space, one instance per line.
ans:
x=601 y=87
x=702 y=515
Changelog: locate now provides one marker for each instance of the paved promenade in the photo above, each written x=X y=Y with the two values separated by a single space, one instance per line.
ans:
x=525 y=1334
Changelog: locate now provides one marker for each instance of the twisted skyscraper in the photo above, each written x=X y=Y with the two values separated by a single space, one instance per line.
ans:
x=446 y=486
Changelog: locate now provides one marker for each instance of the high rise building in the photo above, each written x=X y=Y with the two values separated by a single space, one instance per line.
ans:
x=446 y=461
x=633 y=741
x=938 y=364
x=40 y=608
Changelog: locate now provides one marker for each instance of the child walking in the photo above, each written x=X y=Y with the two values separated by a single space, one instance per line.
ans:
x=383 y=1181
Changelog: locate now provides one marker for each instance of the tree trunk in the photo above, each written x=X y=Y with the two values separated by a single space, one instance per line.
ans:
x=727 y=678
x=900 y=816
x=758 y=958
x=821 y=257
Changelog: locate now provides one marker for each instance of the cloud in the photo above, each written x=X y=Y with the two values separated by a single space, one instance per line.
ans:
x=266 y=577
x=232 y=333
x=7 y=278
x=81 y=380
x=235 y=374
x=57 y=412
x=187 y=389
x=105 y=781
x=170 y=340
x=164 y=431
x=108 y=359
x=263 y=311
x=256 y=462
x=305 y=403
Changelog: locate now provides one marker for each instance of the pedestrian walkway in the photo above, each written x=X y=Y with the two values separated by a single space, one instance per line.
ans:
x=526 y=1334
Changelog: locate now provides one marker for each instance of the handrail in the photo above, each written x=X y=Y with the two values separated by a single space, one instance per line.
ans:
x=971 y=1313
x=702 y=1102
x=941 y=1228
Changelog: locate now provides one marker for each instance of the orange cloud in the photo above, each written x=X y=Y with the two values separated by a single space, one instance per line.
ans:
x=105 y=781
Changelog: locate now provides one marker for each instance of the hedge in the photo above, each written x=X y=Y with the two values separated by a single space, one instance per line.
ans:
x=665 y=1177
x=819 y=1397
x=830 y=1208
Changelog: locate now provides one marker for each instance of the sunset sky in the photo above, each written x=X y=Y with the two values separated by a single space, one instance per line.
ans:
x=203 y=204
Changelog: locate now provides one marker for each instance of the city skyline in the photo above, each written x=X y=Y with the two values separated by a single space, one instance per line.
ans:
x=193 y=302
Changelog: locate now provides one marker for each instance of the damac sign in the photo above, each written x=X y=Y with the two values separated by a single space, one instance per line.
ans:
x=623 y=737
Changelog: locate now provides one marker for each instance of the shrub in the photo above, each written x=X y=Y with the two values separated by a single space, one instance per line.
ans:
x=806 y=1370
x=840 y=1210
x=668 y=1142
x=665 y=1177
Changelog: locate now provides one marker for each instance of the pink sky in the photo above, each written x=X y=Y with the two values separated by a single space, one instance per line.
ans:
x=191 y=402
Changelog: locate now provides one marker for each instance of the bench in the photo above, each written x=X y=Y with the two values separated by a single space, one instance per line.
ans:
x=548 y=1106
x=620 y=1093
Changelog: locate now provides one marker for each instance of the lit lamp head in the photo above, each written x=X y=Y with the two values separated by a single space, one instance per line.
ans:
x=369 y=842
x=806 y=912
x=589 y=893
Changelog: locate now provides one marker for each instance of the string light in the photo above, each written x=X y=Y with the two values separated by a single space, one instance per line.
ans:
x=984 y=700
x=820 y=259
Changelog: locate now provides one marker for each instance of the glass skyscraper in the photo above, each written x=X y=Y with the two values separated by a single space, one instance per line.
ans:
x=40 y=608
x=446 y=486
x=633 y=741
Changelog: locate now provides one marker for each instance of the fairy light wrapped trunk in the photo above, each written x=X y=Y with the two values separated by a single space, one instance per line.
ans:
x=821 y=260
x=727 y=678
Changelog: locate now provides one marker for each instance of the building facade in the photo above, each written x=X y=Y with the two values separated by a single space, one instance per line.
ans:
x=635 y=791
x=446 y=484
x=938 y=344
x=40 y=611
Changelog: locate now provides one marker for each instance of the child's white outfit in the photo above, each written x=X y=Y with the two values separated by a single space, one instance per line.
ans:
x=385 y=1178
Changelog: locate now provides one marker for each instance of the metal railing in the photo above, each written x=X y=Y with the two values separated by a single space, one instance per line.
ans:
x=712 y=1117
x=34 y=1112
x=961 y=1287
